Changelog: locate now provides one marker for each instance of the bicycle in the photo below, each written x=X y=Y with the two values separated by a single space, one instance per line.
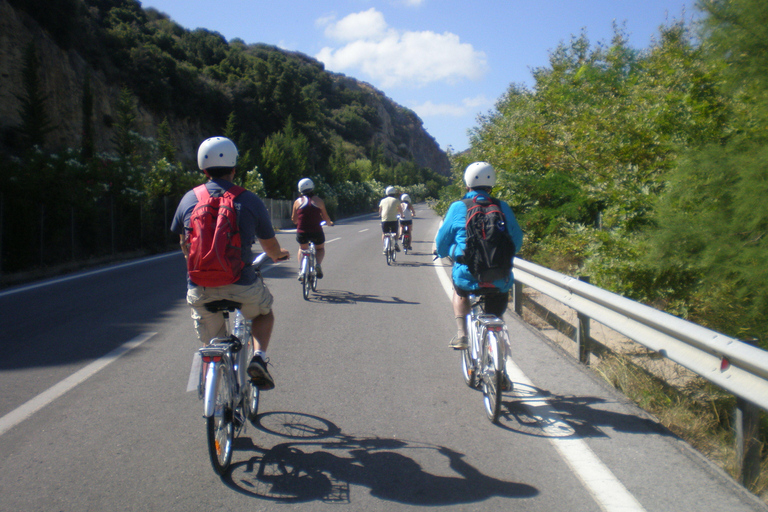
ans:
x=229 y=397
x=483 y=361
x=406 y=238
x=308 y=270
x=390 y=240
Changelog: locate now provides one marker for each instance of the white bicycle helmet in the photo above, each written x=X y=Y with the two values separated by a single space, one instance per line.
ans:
x=306 y=185
x=480 y=174
x=390 y=191
x=216 y=152
x=405 y=198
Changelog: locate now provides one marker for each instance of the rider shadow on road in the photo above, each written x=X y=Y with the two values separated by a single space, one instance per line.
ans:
x=347 y=297
x=536 y=412
x=312 y=467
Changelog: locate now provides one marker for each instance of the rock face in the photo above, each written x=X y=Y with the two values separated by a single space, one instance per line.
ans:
x=63 y=73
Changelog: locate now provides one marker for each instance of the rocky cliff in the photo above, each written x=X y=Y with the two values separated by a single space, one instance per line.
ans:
x=63 y=72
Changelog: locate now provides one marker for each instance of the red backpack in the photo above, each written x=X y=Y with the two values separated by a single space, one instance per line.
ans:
x=215 y=257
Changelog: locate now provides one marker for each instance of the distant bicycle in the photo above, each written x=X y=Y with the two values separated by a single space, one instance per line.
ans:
x=390 y=240
x=482 y=362
x=406 y=238
x=308 y=274
x=229 y=397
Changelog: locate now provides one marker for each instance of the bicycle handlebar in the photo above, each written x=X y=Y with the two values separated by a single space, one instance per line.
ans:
x=260 y=260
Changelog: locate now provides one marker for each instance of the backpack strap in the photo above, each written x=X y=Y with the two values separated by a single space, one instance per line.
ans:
x=234 y=191
x=201 y=192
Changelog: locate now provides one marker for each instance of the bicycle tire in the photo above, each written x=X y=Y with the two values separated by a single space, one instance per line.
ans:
x=305 y=284
x=388 y=250
x=313 y=276
x=250 y=392
x=491 y=378
x=467 y=368
x=220 y=426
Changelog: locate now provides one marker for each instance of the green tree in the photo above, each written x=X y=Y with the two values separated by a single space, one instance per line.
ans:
x=285 y=158
x=87 y=145
x=36 y=124
x=712 y=218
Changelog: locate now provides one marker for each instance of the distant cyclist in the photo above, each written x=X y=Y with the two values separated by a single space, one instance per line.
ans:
x=389 y=208
x=308 y=213
x=406 y=216
x=451 y=240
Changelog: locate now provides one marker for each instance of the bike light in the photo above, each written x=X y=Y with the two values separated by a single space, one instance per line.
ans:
x=495 y=328
x=211 y=359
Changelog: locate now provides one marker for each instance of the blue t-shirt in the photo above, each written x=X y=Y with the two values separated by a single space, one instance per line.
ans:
x=252 y=218
x=451 y=240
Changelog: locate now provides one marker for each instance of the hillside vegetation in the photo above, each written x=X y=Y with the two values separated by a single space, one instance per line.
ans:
x=156 y=90
x=647 y=170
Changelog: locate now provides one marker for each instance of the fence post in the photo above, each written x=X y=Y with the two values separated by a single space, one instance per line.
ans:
x=582 y=332
x=748 y=446
x=517 y=298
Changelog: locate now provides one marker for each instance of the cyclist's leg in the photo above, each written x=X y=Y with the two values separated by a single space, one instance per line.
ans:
x=461 y=309
x=256 y=303
x=303 y=246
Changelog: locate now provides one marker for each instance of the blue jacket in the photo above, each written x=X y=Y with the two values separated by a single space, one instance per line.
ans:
x=452 y=239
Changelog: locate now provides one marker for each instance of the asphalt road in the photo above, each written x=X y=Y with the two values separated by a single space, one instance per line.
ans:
x=370 y=411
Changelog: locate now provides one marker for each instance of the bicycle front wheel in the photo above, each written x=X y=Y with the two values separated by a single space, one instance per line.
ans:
x=220 y=426
x=491 y=378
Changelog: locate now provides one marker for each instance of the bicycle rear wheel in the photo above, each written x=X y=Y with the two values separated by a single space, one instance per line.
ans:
x=313 y=276
x=220 y=426
x=491 y=378
x=388 y=250
x=305 y=284
x=468 y=368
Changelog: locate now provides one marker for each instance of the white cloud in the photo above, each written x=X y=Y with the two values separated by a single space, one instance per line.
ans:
x=394 y=58
x=468 y=106
x=366 y=25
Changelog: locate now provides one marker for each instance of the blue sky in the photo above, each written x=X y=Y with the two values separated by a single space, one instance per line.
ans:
x=448 y=60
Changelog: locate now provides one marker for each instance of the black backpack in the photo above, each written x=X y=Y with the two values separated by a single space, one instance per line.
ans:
x=490 y=248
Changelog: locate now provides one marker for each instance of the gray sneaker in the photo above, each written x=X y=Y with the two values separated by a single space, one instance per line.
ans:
x=458 y=343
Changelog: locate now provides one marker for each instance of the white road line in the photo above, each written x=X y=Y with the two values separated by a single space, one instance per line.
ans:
x=363 y=230
x=27 y=409
x=609 y=493
x=88 y=273
x=333 y=239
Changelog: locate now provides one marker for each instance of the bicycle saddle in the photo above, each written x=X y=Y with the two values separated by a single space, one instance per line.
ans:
x=222 y=305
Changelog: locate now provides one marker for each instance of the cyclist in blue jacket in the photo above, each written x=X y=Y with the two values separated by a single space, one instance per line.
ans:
x=480 y=177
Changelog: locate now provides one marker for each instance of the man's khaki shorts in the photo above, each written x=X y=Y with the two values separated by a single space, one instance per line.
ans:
x=256 y=300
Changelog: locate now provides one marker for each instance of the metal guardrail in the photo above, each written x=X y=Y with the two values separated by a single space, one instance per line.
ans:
x=733 y=365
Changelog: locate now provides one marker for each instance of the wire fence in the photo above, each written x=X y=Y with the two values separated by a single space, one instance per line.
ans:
x=42 y=235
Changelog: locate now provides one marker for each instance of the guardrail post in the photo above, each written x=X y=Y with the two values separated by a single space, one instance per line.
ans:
x=747 y=444
x=517 y=297
x=582 y=332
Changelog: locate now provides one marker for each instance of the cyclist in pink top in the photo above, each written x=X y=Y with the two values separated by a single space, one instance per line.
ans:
x=308 y=213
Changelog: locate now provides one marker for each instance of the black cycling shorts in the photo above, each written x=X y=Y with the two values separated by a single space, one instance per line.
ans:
x=389 y=226
x=406 y=222
x=315 y=238
x=495 y=301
